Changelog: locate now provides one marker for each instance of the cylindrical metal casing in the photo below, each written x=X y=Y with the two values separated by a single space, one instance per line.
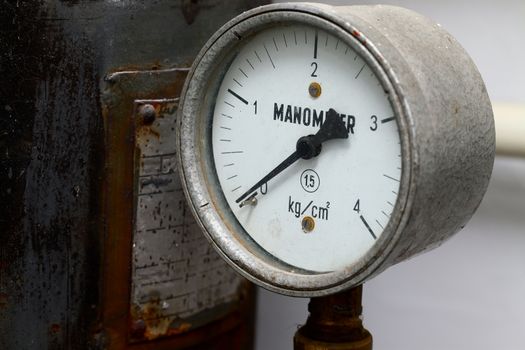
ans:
x=444 y=117
x=451 y=122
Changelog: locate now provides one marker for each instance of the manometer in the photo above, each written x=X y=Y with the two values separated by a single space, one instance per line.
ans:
x=319 y=145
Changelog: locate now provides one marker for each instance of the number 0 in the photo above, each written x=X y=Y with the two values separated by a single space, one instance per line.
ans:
x=264 y=188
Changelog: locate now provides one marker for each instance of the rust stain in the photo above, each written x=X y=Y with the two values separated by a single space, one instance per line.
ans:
x=147 y=130
x=190 y=9
x=125 y=325
x=182 y=328
x=334 y=322
x=118 y=107
x=156 y=324
x=150 y=322
x=233 y=331
x=55 y=328
x=3 y=300
x=357 y=34
x=138 y=329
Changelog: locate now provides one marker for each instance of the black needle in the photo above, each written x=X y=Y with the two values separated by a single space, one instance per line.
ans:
x=307 y=147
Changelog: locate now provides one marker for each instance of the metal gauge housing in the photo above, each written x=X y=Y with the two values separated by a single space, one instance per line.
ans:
x=319 y=145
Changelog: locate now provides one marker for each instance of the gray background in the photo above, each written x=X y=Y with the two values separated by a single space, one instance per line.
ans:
x=470 y=292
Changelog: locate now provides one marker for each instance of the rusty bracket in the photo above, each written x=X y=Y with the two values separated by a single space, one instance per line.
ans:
x=169 y=299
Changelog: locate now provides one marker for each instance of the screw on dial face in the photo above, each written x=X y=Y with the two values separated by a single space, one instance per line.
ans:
x=268 y=105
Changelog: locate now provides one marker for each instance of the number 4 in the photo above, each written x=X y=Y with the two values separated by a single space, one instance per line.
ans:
x=356 y=207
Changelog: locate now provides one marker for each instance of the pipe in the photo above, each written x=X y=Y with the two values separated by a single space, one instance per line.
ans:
x=510 y=129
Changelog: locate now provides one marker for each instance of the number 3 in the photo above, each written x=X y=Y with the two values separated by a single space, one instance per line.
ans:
x=374 y=123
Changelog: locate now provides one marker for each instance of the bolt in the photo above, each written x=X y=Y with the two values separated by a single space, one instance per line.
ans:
x=138 y=328
x=148 y=113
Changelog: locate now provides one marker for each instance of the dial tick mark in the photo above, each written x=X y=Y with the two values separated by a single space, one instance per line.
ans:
x=367 y=226
x=257 y=55
x=315 y=45
x=390 y=177
x=270 y=57
x=357 y=75
x=232 y=152
x=239 y=97
x=243 y=73
x=235 y=80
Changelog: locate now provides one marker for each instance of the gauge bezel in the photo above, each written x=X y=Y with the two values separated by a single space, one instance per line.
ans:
x=196 y=159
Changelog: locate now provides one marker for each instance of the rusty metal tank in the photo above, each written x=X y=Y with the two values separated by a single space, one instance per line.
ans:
x=97 y=248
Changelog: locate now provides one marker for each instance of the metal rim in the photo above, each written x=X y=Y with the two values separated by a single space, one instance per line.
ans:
x=222 y=228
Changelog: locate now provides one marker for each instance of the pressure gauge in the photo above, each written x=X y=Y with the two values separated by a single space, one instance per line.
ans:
x=319 y=145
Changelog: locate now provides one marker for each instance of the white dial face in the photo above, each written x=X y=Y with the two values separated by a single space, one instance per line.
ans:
x=324 y=213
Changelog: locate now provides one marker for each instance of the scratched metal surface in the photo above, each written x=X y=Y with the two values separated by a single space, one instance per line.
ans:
x=138 y=109
x=53 y=58
x=178 y=281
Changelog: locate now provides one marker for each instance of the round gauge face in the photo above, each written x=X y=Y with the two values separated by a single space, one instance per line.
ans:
x=306 y=148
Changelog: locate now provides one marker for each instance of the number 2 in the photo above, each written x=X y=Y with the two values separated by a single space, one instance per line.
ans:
x=314 y=64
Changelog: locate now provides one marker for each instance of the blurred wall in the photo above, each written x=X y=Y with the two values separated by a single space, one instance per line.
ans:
x=470 y=292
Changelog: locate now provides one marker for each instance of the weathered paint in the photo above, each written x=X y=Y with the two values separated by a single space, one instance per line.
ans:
x=54 y=56
x=178 y=282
